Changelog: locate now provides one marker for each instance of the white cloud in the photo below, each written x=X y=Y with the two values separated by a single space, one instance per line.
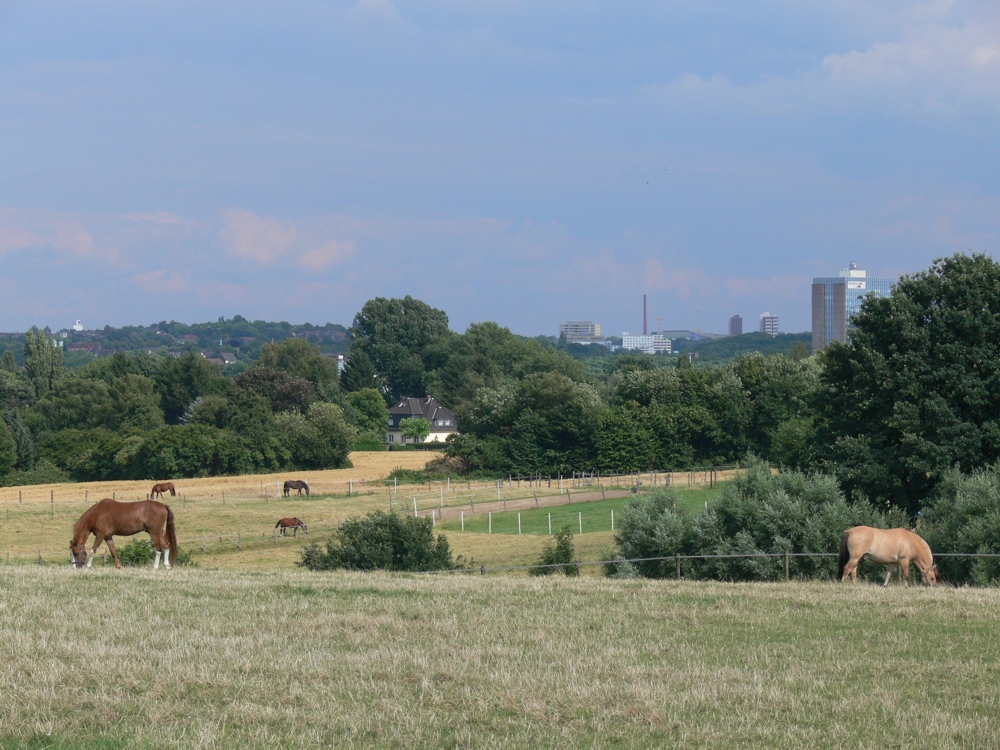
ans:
x=67 y=235
x=328 y=254
x=160 y=281
x=257 y=238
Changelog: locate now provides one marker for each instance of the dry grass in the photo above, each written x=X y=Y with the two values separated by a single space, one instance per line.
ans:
x=210 y=659
x=228 y=522
x=369 y=468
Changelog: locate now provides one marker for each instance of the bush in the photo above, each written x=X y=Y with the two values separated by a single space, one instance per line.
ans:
x=559 y=552
x=381 y=541
x=44 y=472
x=757 y=513
x=140 y=553
x=368 y=445
x=964 y=517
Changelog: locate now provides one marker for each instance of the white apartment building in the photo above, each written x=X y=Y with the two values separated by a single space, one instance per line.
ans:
x=653 y=343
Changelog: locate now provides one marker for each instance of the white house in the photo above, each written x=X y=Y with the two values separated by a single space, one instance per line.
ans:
x=441 y=419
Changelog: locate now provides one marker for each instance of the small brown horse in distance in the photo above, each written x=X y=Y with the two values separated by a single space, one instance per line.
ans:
x=292 y=523
x=109 y=518
x=159 y=489
x=296 y=484
x=890 y=547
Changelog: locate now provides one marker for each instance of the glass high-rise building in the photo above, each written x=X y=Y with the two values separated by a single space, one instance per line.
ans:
x=835 y=300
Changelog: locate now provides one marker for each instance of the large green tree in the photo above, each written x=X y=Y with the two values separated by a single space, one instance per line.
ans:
x=917 y=389
x=369 y=413
x=43 y=361
x=301 y=359
x=400 y=336
x=181 y=380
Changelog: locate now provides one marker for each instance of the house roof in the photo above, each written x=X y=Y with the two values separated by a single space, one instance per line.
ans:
x=428 y=407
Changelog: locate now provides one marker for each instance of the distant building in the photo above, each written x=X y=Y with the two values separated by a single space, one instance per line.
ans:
x=836 y=299
x=653 y=343
x=580 y=332
x=768 y=324
x=736 y=326
x=78 y=326
x=441 y=418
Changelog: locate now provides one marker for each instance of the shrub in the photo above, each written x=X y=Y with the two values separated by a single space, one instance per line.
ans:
x=557 y=554
x=140 y=553
x=382 y=541
x=757 y=513
x=964 y=517
x=44 y=472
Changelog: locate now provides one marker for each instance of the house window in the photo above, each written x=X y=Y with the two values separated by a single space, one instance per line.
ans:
x=390 y=437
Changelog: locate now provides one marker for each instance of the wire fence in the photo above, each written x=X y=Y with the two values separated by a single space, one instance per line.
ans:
x=576 y=566
x=395 y=492
x=446 y=501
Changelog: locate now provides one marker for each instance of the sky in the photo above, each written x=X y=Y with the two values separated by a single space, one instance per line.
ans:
x=521 y=162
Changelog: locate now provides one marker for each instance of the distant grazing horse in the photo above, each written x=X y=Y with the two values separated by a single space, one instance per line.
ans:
x=159 y=489
x=296 y=484
x=109 y=518
x=292 y=523
x=887 y=546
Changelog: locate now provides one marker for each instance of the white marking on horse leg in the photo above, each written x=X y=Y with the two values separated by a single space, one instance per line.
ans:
x=166 y=558
x=90 y=558
x=156 y=560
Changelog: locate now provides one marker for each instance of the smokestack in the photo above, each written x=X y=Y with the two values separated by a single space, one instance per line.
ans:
x=645 y=329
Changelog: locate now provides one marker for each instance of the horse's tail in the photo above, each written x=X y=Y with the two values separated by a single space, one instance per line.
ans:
x=171 y=534
x=845 y=555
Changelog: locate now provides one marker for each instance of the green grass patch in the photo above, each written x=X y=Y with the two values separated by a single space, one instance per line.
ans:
x=596 y=515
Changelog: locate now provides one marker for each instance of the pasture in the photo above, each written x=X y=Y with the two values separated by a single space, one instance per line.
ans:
x=286 y=658
x=228 y=522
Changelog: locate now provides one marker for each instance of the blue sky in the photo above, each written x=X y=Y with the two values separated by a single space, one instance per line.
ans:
x=521 y=162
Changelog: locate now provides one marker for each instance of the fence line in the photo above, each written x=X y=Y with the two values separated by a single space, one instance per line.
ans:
x=272 y=489
x=677 y=559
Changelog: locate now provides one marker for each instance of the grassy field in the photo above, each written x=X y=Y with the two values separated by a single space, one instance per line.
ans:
x=228 y=522
x=286 y=658
x=593 y=516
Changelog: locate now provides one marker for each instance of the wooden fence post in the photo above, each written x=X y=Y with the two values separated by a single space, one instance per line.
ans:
x=678 y=559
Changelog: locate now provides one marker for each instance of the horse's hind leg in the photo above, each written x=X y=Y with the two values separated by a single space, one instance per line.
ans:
x=851 y=569
x=114 y=552
x=160 y=544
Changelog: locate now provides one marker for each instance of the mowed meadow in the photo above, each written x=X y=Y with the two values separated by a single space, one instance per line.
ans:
x=246 y=650
x=200 y=658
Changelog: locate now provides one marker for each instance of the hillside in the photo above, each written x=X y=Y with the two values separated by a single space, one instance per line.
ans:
x=236 y=336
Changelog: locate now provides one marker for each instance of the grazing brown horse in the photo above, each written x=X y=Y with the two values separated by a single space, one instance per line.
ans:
x=292 y=523
x=890 y=547
x=109 y=518
x=159 y=489
x=296 y=484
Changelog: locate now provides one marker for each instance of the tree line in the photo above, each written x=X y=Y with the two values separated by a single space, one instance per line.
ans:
x=914 y=395
x=140 y=416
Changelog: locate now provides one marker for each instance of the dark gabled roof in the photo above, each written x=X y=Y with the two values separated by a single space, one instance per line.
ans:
x=428 y=407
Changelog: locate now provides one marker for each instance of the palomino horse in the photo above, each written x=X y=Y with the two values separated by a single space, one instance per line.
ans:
x=159 y=489
x=887 y=546
x=291 y=523
x=296 y=484
x=109 y=518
